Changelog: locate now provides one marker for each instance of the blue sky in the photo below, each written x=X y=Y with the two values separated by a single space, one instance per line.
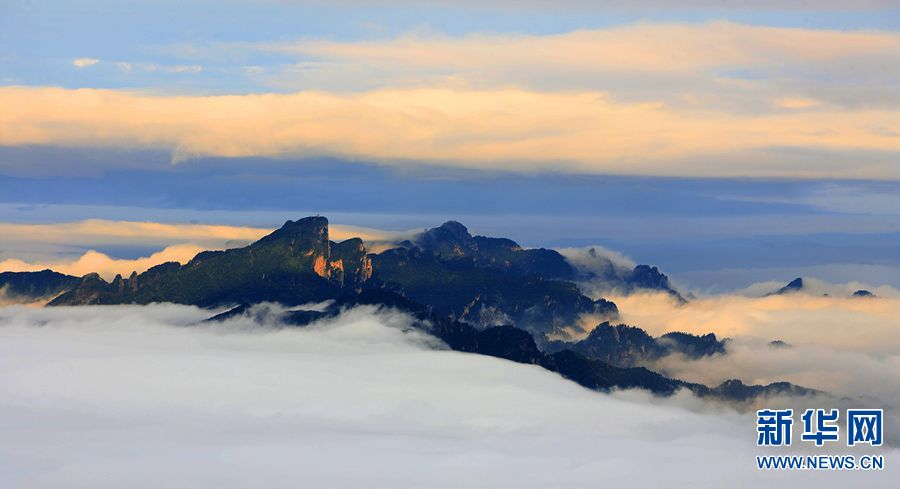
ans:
x=726 y=144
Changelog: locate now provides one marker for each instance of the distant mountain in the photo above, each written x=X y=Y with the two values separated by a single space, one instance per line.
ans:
x=629 y=346
x=798 y=285
x=795 y=285
x=34 y=286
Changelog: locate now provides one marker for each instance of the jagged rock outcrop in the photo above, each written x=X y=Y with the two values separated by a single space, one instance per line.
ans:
x=628 y=346
x=795 y=285
x=451 y=241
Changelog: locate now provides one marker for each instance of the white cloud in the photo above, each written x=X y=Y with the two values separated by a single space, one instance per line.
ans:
x=125 y=396
x=108 y=267
x=84 y=62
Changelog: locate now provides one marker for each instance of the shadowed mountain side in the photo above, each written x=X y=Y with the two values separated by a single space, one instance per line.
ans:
x=514 y=344
x=34 y=286
x=452 y=241
x=629 y=346
x=486 y=296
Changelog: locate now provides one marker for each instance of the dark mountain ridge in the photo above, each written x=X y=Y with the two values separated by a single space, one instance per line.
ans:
x=514 y=344
x=34 y=286
x=630 y=346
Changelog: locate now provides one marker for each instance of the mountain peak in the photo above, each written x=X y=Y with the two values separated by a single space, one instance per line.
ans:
x=794 y=286
x=314 y=225
x=450 y=239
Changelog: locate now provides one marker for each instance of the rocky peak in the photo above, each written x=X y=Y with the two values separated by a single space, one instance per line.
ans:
x=450 y=239
x=794 y=286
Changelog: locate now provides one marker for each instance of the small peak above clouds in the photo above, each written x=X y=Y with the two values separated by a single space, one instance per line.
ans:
x=812 y=286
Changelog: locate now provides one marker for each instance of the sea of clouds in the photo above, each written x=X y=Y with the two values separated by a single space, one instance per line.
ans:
x=144 y=396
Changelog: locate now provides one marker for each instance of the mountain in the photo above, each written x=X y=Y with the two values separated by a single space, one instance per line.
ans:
x=34 y=286
x=629 y=346
x=293 y=265
x=737 y=391
x=795 y=285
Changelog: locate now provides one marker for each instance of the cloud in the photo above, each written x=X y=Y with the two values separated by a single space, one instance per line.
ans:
x=596 y=259
x=146 y=402
x=848 y=347
x=102 y=231
x=837 y=322
x=84 y=62
x=739 y=100
x=640 y=47
x=507 y=129
x=108 y=267
x=637 y=5
x=718 y=65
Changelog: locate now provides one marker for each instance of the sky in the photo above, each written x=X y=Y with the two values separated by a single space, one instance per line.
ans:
x=725 y=142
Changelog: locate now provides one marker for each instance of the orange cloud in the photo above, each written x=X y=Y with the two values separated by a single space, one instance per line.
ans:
x=647 y=47
x=504 y=128
x=93 y=231
x=836 y=322
x=106 y=266
x=100 y=231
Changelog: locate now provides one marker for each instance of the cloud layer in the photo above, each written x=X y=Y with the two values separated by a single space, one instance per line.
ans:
x=849 y=347
x=505 y=128
x=738 y=100
x=146 y=402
